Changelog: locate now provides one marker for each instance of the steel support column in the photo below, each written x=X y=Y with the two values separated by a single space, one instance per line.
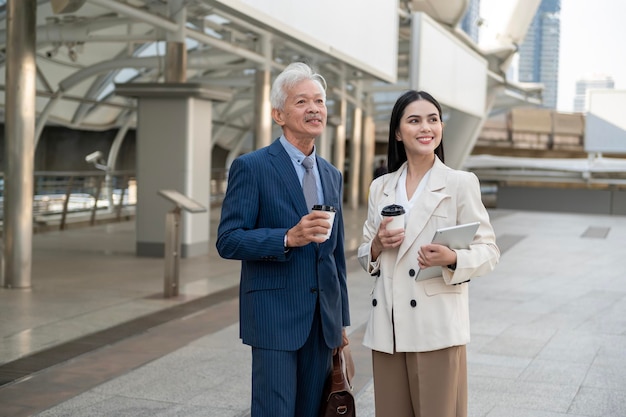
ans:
x=262 y=109
x=176 y=49
x=354 y=176
x=19 y=143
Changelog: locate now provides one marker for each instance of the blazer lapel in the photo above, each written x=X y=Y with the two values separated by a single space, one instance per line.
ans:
x=424 y=208
x=389 y=188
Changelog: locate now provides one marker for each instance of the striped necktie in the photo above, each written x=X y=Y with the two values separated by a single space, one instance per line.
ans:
x=309 y=187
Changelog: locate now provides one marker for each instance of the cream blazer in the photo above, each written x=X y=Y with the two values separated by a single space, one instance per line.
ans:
x=434 y=313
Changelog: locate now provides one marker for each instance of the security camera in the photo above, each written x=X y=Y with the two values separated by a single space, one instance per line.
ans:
x=94 y=157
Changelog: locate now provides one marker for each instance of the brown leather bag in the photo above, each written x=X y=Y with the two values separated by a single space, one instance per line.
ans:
x=338 y=400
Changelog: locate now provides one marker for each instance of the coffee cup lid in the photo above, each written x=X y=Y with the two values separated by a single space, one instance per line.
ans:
x=392 y=210
x=323 y=207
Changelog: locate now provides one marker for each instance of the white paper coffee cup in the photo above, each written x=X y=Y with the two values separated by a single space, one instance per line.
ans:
x=397 y=222
x=396 y=212
x=330 y=210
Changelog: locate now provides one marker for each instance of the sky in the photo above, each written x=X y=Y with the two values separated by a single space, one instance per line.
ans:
x=592 y=36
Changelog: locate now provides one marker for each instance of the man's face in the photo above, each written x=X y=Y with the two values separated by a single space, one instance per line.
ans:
x=304 y=114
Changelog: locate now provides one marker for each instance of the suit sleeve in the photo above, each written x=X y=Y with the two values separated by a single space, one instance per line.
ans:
x=238 y=235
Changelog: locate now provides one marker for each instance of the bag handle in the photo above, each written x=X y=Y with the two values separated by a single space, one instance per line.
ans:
x=339 y=379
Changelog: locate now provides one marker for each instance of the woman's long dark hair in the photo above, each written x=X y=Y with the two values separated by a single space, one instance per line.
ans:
x=396 y=154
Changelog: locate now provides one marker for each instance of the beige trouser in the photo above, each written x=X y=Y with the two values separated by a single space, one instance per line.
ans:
x=421 y=384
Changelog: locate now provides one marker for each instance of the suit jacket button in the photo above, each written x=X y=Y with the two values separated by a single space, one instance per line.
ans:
x=413 y=303
x=374 y=302
x=411 y=272
x=313 y=290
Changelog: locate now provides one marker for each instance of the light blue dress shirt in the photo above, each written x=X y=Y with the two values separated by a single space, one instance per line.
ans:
x=296 y=158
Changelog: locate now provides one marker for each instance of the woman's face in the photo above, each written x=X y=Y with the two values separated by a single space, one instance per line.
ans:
x=420 y=128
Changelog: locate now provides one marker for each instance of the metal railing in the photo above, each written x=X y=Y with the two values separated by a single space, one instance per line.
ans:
x=79 y=196
x=64 y=197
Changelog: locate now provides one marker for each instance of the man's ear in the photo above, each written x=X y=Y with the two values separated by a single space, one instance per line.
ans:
x=277 y=115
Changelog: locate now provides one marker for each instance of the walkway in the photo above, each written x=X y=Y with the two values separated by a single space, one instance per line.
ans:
x=94 y=337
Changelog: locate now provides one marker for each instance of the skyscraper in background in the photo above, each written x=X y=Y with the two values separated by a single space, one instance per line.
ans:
x=539 y=53
x=585 y=84
x=470 y=23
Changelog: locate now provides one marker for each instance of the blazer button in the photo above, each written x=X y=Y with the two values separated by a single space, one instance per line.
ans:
x=313 y=290
x=374 y=302
x=413 y=303
x=411 y=272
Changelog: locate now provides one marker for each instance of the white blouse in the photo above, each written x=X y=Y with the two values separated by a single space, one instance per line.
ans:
x=401 y=197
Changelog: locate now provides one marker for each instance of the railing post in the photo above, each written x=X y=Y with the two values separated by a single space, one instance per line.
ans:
x=68 y=194
x=172 y=252
x=120 y=205
x=172 y=244
x=94 y=209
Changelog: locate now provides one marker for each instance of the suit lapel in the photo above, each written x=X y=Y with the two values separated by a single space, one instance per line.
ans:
x=329 y=189
x=279 y=158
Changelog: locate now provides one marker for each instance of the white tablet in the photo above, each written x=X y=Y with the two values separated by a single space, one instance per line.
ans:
x=454 y=237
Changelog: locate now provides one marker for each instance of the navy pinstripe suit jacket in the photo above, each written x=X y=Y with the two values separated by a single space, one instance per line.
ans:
x=278 y=291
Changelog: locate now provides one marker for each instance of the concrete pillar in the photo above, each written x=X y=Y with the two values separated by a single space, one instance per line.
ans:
x=19 y=143
x=173 y=152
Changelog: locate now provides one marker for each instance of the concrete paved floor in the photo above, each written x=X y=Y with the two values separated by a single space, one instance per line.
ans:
x=95 y=337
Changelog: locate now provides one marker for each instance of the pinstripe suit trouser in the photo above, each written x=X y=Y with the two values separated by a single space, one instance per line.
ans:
x=290 y=383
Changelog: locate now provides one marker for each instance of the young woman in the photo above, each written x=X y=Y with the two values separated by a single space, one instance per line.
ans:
x=418 y=328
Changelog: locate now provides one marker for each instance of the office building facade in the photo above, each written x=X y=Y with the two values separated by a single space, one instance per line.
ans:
x=539 y=53
x=471 y=21
x=584 y=85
